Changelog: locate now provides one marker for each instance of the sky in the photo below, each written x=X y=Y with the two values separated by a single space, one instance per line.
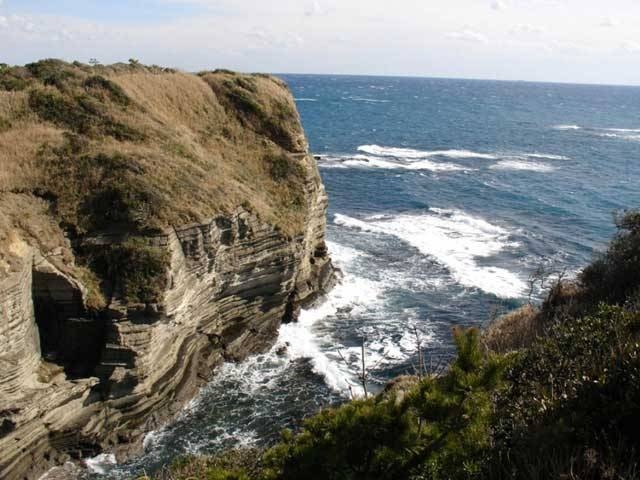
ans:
x=578 y=41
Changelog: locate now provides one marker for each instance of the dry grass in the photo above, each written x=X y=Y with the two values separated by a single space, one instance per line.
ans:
x=19 y=148
x=189 y=152
x=25 y=220
x=513 y=331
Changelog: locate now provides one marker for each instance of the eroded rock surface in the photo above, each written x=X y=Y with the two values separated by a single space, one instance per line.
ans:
x=77 y=381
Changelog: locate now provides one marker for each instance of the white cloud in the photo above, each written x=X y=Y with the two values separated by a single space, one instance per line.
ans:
x=470 y=36
x=517 y=39
x=526 y=29
x=631 y=47
x=314 y=8
x=608 y=22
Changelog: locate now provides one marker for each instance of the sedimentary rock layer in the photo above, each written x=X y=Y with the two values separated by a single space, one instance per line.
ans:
x=76 y=381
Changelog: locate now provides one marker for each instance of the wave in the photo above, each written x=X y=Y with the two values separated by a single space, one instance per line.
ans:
x=370 y=161
x=456 y=240
x=566 y=127
x=410 y=153
x=522 y=165
x=367 y=100
x=306 y=99
x=545 y=155
x=355 y=294
x=623 y=130
x=623 y=136
x=621 y=133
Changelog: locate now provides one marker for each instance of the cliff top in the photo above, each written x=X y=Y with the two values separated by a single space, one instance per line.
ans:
x=144 y=148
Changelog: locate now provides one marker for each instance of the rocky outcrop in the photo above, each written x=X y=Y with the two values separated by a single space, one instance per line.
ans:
x=75 y=382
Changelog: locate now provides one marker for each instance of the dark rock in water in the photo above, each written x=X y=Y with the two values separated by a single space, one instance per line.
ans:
x=282 y=350
x=345 y=310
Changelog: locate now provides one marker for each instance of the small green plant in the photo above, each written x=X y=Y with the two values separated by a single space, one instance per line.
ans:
x=137 y=268
x=4 y=124
x=283 y=168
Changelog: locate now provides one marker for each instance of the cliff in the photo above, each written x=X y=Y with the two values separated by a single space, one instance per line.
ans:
x=152 y=225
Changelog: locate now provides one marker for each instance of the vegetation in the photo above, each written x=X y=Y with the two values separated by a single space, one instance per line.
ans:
x=129 y=150
x=198 y=142
x=563 y=405
x=135 y=268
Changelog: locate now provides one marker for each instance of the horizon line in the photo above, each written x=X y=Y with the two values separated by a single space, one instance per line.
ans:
x=474 y=79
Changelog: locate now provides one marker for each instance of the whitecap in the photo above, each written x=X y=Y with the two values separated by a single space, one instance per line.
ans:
x=545 y=155
x=306 y=99
x=622 y=136
x=367 y=100
x=623 y=130
x=523 y=165
x=456 y=240
x=372 y=161
x=410 y=153
x=566 y=127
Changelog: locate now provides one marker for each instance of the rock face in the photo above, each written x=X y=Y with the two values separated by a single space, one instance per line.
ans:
x=74 y=383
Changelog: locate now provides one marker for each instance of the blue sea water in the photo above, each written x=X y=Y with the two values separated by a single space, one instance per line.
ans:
x=445 y=196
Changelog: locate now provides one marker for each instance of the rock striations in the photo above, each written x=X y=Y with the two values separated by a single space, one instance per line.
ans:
x=120 y=293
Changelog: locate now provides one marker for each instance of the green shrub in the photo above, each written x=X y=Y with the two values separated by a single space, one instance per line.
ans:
x=113 y=91
x=577 y=389
x=52 y=72
x=136 y=268
x=614 y=275
x=80 y=113
x=94 y=192
x=14 y=79
x=282 y=168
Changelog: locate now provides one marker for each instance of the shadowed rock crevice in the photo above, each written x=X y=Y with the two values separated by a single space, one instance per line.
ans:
x=68 y=336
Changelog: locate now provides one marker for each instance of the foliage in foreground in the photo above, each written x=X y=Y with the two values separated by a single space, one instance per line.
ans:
x=565 y=407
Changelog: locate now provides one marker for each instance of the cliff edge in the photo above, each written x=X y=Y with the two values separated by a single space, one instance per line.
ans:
x=152 y=224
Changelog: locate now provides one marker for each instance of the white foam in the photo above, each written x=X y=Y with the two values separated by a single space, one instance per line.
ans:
x=522 y=165
x=101 y=463
x=353 y=292
x=454 y=239
x=370 y=161
x=621 y=133
x=545 y=155
x=623 y=136
x=410 y=153
x=306 y=99
x=567 y=127
x=623 y=130
x=367 y=100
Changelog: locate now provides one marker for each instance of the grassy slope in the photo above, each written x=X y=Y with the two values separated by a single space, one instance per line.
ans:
x=549 y=392
x=139 y=149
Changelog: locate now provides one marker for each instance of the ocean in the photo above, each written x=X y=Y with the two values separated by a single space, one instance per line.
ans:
x=445 y=197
